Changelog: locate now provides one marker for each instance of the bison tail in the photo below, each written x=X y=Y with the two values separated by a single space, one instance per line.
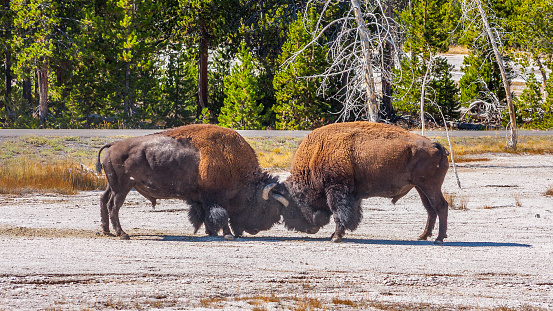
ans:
x=442 y=149
x=98 y=163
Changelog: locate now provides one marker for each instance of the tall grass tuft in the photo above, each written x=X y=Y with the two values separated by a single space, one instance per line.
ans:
x=26 y=174
x=456 y=202
x=549 y=192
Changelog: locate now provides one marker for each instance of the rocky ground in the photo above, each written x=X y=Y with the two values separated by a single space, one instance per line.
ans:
x=498 y=255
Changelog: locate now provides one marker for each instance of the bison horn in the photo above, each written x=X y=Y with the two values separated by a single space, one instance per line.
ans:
x=268 y=189
x=277 y=197
x=281 y=199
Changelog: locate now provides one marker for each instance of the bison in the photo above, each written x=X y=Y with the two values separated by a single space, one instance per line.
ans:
x=211 y=168
x=338 y=165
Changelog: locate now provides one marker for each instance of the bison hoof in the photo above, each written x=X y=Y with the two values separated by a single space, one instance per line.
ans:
x=107 y=233
x=312 y=230
x=336 y=239
x=229 y=237
x=124 y=237
x=423 y=238
x=438 y=242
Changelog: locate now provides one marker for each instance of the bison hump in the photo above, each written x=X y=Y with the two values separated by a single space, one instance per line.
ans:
x=226 y=159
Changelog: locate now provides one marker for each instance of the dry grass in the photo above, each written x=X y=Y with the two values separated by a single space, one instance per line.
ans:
x=456 y=202
x=518 y=203
x=274 y=153
x=259 y=303
x=458 y=49
x=464 y=146
x=53 y=164
x=549 y=191
x=30 y=174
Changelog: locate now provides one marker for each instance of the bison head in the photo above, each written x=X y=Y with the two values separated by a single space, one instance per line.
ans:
x=263 y=210
x=296 y=216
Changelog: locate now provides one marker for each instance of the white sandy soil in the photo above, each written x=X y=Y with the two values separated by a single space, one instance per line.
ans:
x=498 y=254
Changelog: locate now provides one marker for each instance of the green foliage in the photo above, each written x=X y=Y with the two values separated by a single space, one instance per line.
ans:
x=241 y=109
x=532 y=110
x=441 y=90
x=220 y=68
x=298 y=104
x=127 y=63
x=176 y=89
x=429 y=26
x=481 y=80
x=35 y=21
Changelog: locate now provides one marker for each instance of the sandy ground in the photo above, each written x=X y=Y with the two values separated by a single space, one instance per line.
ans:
x=499 y=253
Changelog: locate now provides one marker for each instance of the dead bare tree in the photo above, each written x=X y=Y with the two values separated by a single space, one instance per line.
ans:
x=423 y=91
x=357 y=44
x=473 y=12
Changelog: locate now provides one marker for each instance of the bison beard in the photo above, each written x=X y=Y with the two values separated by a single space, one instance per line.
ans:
x=213 y=169
x=338 y=165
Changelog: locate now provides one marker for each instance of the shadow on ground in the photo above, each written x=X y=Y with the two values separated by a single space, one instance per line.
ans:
x=326 y=240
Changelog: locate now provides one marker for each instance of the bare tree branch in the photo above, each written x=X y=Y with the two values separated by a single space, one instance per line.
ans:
x=355 y=52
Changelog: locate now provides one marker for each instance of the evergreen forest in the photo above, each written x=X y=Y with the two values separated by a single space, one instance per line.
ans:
x=271 y=64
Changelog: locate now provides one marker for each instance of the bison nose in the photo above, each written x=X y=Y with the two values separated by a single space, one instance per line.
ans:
x=312 y=230
x=253 y=232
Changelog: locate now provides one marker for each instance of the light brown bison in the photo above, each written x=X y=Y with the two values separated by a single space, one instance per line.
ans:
x=213 y=169
x=338 y=165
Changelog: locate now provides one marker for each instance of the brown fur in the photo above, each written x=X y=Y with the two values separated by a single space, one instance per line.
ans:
x=212 y=168
x=338 y=165
x=226 y=163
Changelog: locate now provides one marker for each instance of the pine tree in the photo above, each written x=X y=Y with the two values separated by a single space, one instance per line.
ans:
x=481 y=80
x=428 y=24
x=298 y=104
x=441 y=90
x=241 y=109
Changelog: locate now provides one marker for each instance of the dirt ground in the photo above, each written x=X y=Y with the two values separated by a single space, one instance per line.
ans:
x=498 y=254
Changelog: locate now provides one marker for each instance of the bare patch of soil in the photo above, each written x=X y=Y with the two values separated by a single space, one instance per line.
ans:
x=497 y=255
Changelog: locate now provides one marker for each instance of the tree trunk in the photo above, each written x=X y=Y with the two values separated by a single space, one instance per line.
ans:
x=27 y=87
x=127 y=98
x=43 y=89
x=372 y=105
x=7 y=60
x=543 y=78
x=387 y=65
x=513 y=139
x=423 y=92
x=8 y=73
x=202 y=78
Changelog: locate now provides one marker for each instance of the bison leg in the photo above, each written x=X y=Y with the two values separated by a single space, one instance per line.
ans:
x=436 y=207
x=227 y=233
x=236 y=227
x=345 y=210
x=216 y=218
x=104 y=200
x=196 y=215
x=115 y=203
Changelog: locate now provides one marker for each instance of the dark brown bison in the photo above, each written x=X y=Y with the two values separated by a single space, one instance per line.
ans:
x=213 y=169
x=338 y=165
